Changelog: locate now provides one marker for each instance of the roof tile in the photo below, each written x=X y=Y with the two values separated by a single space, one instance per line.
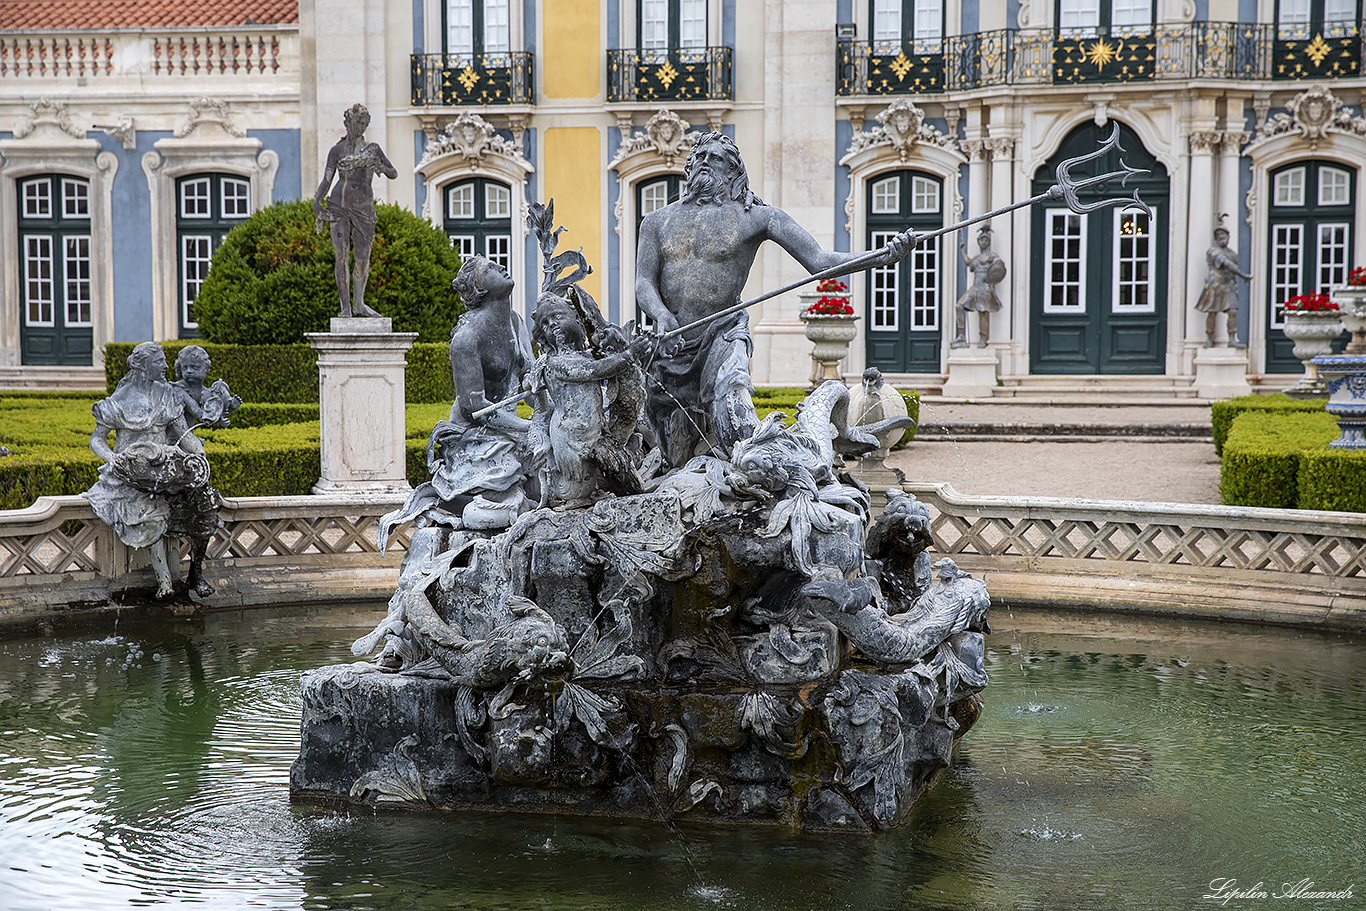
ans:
x=46 y=15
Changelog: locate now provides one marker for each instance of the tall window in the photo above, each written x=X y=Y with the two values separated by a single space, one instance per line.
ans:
x=1078 y=18
x=914 y=24
x=208 y=206
x=478 y=219
x=56 y=296
x=665 y=25
x=1307 y=18
x=478 y=27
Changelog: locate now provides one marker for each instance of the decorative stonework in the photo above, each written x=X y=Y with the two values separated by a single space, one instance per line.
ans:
x=48 y=113
x=1234 y=140
x=901 y=126
x=1205 y=141
x=473 y=139
x=1313 y=113
x=974 y=149
x=122 y=129
x=1001 y=148
x=209 y=111
x=666 y=135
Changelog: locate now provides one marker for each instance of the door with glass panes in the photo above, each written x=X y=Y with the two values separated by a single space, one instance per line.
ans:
x=478 y=219
x=56 y=300
x=208 y=206
x=1309 y=244
x=1098 y=295
x=903 y=305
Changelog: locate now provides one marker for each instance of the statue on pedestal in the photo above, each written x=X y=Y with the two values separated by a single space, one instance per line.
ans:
x=988 y=271
x=350 y=210
x=1220 y=294
x=154 y=484
x=693 y=260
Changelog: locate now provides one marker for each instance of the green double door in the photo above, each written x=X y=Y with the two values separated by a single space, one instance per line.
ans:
x=1098 y=296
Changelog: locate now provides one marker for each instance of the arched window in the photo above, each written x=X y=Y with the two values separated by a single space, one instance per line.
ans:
x=1309 y=237
x=56 y=288
x=903 y=302
x=478 y=219
x=208 y=206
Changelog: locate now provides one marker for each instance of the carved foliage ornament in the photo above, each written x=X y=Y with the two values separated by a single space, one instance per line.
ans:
x=46 y=112
x=901 y=126
x=208 y=111
x=1313 y=113
x=472 y=138
x=666 y=134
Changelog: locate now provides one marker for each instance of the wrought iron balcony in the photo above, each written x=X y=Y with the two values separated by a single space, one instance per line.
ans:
x=678 y=74
x=456 y=79
x=1193 y=50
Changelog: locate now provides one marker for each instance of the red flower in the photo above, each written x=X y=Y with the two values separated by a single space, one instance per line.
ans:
x=1309 y=303
x=1357 y=277
x=831 y=285
x=831 y=306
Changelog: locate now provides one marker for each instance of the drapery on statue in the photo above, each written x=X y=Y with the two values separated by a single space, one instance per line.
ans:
x=1220 y=294
x=693 y=259
x=351 y=208
x=987 y=272
x=154 y=484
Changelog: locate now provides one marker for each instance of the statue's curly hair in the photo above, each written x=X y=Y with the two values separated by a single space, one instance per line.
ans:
x=737 y=188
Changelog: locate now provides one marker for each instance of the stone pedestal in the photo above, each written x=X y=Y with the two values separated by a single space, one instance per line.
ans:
x=972 y=373
x=360 y=373
x=1221 y=373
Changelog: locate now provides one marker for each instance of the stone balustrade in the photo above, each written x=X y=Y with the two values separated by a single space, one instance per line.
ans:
x=1218 y=562
x=260 y=51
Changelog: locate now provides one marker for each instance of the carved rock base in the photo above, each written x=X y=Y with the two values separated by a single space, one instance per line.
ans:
x=972 y=373
x=1221 y=373
x=376 y=738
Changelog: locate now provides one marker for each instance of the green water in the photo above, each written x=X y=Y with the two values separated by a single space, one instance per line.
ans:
x=1120 y=764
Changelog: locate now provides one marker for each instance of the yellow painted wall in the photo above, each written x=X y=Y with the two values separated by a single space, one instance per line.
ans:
x=571 y=58
x=573 y=178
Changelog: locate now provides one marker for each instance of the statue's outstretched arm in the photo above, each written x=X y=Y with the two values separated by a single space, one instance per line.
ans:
x=796 y=240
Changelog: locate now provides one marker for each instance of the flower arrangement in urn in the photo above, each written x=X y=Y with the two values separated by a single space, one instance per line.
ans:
x=1351 y=300
x=1310 y=303
x=830 y=325
x=1357 y=277
x=1312 y=321
x=833 y=300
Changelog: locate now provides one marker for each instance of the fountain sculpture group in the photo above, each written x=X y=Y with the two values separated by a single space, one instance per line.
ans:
x=645 y=600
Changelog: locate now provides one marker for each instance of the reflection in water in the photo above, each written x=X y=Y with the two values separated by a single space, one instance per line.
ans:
x=1119 y=764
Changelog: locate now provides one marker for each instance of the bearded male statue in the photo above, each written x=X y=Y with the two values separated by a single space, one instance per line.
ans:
x=692 y=260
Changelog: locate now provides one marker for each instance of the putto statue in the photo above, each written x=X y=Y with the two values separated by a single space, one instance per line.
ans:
x=350 y=210
x=154 y=484
x=692 y=261
x=987 y=272
x=1220 y=294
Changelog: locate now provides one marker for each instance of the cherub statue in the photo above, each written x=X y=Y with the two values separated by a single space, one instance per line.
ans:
x=154 y=483
x=577 y=446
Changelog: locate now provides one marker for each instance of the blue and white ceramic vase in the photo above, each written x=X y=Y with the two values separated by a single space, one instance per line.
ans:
x=1345 y=377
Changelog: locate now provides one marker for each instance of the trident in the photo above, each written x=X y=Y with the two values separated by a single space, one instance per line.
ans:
x=1065 y=190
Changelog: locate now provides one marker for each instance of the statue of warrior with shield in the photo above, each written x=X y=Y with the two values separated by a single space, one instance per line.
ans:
x=988 y=270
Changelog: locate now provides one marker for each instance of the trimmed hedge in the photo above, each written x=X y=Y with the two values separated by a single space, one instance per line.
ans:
x=272 y=279
x=288 y=373
x=1222 y=414
x=1282 y=460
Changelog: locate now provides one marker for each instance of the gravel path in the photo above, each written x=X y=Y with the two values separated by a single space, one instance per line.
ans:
x=1167 y=472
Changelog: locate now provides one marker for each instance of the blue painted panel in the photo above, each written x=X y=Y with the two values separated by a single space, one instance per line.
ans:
x=844 y=11
x=1012 y=13
x=728 y=23
x=289 y=178
x=844 y=135
x=420 y=188
x=131 y=245
x=971 y=18
x=1201 y=10
x=613 y=24
x=1247 y=10
x=419 y=26
x=531 y=279
x=529 y=26
x=612 y=284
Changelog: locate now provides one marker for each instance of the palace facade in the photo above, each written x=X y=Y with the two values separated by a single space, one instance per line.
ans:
x=127 y=148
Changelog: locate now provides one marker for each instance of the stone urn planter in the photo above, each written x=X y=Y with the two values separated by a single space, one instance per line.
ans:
x=1351 y=301
x=1313 y=332
x=1344 y=375
x=831 y=333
